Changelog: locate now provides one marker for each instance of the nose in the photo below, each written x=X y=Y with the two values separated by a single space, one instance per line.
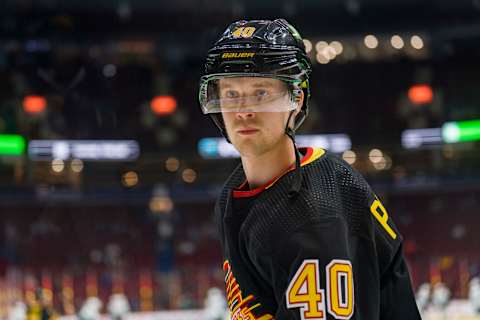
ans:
x=243 y=111
x=241 y=115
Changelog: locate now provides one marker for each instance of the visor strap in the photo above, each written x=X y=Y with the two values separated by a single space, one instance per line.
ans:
x=297 y=179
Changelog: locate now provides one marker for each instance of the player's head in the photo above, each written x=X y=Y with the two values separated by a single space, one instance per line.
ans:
x=256 y=68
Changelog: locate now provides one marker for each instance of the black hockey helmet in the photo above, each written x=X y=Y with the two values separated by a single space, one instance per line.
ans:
x=261 y=48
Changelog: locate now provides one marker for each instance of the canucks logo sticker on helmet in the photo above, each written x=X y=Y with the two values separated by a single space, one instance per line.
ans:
x=243 y=32
x=294 y=32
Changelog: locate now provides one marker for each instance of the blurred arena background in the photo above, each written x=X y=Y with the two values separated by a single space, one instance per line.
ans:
x=109 y=171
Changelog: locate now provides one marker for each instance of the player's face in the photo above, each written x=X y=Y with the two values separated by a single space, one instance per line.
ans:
x=255 y=133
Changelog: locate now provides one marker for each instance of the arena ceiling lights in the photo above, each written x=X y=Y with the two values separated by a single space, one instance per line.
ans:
x=450 y=132
x=215 y=148
x=87 y=150
x=11 y=145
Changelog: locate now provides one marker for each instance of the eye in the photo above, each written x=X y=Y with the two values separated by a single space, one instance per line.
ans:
x=230 y=94
x=261 y=93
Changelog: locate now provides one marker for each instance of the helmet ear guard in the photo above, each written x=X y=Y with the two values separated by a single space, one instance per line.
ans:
x=302 y=114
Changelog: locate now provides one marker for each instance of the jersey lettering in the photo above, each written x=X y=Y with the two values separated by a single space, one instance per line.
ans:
x=304 y=290
x=380 y=213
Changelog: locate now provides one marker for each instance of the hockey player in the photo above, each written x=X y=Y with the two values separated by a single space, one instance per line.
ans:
x=303 y=235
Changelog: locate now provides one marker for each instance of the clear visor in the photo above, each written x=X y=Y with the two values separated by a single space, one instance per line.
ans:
x=246 y=94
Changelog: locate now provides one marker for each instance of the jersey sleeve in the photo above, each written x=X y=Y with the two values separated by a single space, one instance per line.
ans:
x=397 y=300
x=397 y=297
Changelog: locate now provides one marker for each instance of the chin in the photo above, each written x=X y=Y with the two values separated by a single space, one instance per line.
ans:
x=252 y=148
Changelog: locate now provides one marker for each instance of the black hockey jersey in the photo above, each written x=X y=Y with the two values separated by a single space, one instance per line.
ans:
x=332 y=252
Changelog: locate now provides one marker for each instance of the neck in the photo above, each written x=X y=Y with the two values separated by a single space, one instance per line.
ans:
x=260 y=169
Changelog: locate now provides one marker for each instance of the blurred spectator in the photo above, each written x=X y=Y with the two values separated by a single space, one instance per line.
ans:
x=215 y=305
x=474 y=295
x=118 y=306
x=18 y=311
x=423 y=296
x=90 y=309
x=440 y=296
x=41 y=308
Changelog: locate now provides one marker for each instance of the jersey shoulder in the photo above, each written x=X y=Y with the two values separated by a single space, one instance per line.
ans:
x=331 y=170
x=364 y=212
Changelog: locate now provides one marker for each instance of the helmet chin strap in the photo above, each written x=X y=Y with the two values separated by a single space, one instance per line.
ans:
x=297 y=179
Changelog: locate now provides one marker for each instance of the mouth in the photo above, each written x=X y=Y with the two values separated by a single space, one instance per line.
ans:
x=247 y=131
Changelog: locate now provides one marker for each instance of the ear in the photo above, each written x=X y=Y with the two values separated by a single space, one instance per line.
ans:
x=299 y=99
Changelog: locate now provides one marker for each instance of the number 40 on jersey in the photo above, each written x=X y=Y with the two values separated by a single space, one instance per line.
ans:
x=304 y=290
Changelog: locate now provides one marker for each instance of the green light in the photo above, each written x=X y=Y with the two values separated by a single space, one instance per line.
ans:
x=469 y=130
x=11 y=144
x=461 y=131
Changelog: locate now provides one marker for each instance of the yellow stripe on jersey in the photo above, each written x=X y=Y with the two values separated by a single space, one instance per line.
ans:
x=317 y=153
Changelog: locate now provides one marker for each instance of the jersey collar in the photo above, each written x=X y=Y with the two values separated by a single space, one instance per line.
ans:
x=309 y=155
